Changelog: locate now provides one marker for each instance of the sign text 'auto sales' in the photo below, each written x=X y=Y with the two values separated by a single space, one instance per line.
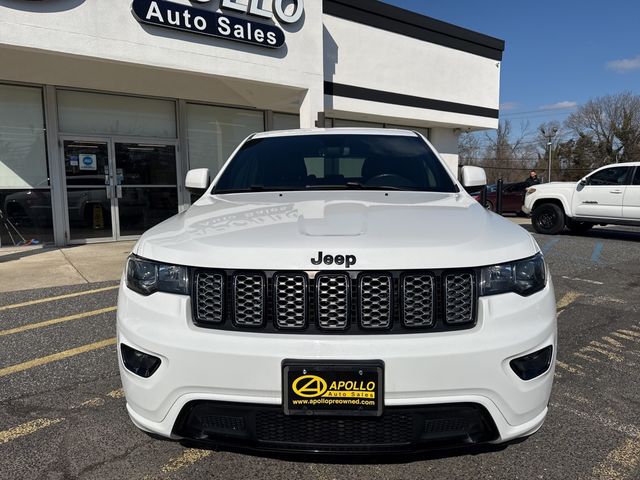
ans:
x=206 y=22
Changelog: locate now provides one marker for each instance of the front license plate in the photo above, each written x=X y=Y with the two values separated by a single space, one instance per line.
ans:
x=312 y=387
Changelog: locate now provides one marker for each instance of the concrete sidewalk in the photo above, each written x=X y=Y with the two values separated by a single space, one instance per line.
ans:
x=26 y=268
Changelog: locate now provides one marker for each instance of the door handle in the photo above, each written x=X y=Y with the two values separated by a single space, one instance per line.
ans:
x=118 y=191
x=617 y=192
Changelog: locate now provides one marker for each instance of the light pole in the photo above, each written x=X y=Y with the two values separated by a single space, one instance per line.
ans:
x=549 y=136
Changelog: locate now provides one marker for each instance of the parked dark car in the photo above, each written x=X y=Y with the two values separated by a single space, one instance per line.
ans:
x=512 y=197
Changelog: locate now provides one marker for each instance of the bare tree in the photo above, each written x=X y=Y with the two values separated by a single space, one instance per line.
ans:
x=612 y=124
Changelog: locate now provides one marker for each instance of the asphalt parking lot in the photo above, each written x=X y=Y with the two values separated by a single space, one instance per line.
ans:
x=62 y=411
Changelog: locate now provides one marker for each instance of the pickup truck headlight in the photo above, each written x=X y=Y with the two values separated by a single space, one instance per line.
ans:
x=524 y=277
x=530 y=190
x=147 y=277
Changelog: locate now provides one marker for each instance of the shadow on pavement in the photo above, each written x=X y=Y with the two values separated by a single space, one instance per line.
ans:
x=601 y=233
x=27 y=253
x=373 y=458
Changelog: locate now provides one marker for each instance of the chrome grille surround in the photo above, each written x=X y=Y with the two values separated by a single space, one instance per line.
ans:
x=375 y=300
x=249 y=299
x=332 y=301
x=209 y=304
x=418 y=300
x=459 y=298
x=290 y=300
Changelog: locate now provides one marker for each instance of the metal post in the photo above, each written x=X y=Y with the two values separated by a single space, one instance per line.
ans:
x=549 y=174
x=499 y=186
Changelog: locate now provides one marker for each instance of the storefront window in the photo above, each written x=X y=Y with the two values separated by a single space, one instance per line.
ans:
x=285 y=121
x=25 y=197
x=215 y=132
x=103 y=114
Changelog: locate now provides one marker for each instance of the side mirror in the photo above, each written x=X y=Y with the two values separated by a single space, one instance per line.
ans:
x=473 y=177
x=584 y=182
x=197 y=180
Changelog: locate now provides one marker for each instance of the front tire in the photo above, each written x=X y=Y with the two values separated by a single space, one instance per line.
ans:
x=548 y=219
x=489 y=206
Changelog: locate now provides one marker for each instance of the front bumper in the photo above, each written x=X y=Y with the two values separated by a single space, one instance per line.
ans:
x=426 y=369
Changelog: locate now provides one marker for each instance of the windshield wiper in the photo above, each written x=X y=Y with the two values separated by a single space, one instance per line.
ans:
x=255 y=188
x=353 y=186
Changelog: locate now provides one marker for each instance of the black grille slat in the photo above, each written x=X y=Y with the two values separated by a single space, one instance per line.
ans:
x=249 y=300
x=210 y=297
x=340 y=302
x=290 y=301
x=418 y=300
x=376 y=301
x=459 y=298
x=333 y=301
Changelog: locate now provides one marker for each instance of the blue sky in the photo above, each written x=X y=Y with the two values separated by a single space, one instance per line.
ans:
x=558 y=53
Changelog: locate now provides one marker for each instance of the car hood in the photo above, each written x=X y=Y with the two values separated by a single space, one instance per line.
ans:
x=383 y=230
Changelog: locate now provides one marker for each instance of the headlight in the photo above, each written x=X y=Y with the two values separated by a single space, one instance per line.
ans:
x=530 y=190
x=146 y=277
x=524 y=277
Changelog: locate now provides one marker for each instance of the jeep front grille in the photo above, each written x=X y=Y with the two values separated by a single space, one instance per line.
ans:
x=335 y=302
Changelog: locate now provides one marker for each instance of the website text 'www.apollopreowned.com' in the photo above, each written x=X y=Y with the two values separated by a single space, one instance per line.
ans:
x=335 y=401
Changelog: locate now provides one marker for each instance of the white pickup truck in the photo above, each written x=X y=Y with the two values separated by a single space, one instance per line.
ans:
x=609 y=195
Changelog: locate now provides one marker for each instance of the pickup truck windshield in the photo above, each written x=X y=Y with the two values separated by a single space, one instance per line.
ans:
x=335 y=162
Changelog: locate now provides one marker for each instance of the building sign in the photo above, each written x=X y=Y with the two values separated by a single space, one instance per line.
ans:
x=205 y=22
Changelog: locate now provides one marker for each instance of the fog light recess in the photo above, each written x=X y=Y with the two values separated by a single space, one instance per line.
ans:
x=532 y=365
x=140 y=363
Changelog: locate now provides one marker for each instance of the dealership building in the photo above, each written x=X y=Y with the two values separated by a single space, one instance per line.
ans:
x=105 y=105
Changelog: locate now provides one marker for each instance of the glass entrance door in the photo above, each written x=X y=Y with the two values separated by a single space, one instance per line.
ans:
x=118 y=189
x=146 y=188
x=89 y=191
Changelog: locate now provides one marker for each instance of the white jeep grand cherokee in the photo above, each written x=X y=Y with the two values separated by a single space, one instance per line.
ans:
x=337 y=291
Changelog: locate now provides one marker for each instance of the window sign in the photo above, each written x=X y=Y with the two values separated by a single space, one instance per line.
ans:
x=88 y=162
x=173 y=15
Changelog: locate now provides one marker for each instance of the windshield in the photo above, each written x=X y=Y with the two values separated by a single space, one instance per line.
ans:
x=335 y=162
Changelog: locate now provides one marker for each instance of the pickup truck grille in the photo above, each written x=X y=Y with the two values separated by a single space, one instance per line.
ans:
x=334 y=302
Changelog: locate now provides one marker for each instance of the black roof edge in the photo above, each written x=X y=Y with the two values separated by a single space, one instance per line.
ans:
x=416 y=25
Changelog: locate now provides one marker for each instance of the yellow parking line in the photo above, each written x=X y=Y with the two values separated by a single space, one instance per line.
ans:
x=59 y=297
x=56 y=356
x=621 y=462
x=27 y=428
x=567 y=300
x=55 y=321
x=188 y=457
x=118 y=393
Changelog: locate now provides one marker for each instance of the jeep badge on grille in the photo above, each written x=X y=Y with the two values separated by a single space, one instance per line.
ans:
x=346 y=260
